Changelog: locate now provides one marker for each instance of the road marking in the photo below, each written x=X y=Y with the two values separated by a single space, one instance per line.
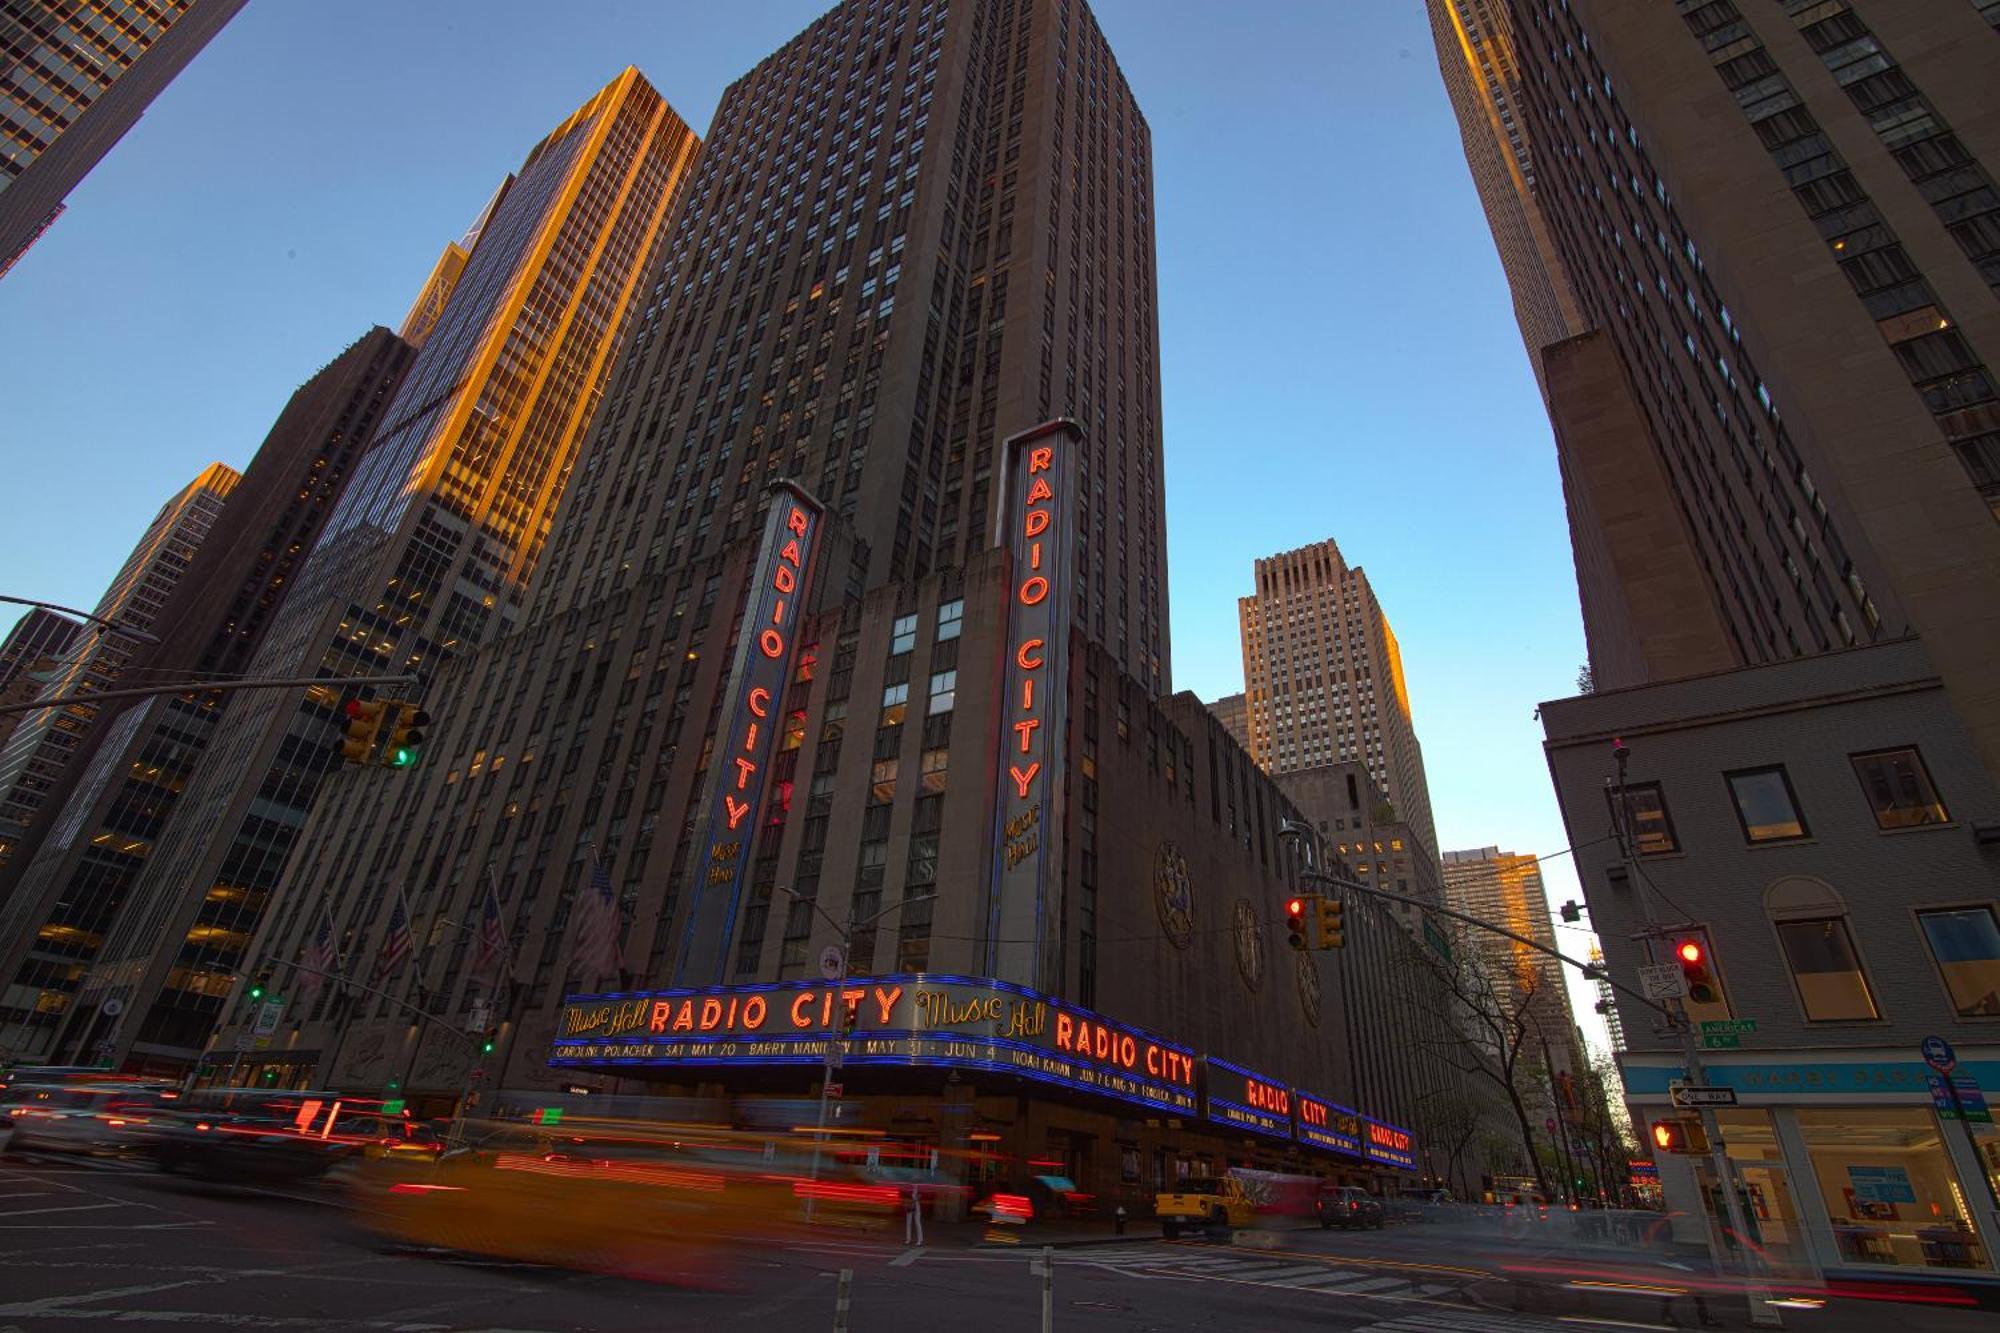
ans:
x=53 y=1305
x=908 y=1257
x=66 y=1208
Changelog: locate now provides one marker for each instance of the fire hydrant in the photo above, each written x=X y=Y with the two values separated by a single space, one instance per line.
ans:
x=1118 y=1219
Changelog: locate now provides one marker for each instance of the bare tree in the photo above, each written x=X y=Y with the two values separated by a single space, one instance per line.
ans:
x=1491 y=1034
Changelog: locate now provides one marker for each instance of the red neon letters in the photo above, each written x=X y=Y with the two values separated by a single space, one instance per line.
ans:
x=1031 y=656
x=771 y=643
x=1078 y=1035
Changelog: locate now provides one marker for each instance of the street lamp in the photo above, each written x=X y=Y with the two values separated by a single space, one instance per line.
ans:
x=846 y=933
x=138 y=635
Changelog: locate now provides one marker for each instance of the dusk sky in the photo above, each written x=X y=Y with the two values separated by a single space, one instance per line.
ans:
x=1340 y=359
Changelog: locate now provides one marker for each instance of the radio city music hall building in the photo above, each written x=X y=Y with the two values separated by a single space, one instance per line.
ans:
x=947 y=704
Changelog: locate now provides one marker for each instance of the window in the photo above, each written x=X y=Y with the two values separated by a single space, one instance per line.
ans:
x=1765 y=805
x=1827 y=971
x=944 y=691
x=950 y=619
x=1899 y=789
x=895 y=703
x=1966 y=943
x=903 y=635
x=1646 y=820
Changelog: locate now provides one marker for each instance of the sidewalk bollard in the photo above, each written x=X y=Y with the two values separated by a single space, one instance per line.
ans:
x=840 y=1300
x=1048 y=1289
x=1118 y=1219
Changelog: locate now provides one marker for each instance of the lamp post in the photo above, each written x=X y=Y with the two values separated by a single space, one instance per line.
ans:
x=137 y=635
x=846 y=933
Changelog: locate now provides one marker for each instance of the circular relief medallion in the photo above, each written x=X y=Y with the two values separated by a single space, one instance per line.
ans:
x=1249 y=944
x=1173 y=895
x=1308 y=988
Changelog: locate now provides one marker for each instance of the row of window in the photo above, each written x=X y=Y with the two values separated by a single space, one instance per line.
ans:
x=1833 y=986
x=1895 y=783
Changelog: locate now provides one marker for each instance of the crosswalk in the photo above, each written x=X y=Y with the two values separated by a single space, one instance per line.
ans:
x=1261 y=1269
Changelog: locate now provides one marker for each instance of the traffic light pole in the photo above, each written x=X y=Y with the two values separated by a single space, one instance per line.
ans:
x=201 y=687
x=1762 y=1313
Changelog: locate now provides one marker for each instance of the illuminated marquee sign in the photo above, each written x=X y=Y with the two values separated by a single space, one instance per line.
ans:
x=959 y=1022
x=1036 y=520
x=774 y=606
x=1389 y=1145
x=1248 y=1101
x=1325 y=1124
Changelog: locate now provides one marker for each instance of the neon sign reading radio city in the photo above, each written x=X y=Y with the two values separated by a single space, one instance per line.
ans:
x=771 y=642
x=1031 y=656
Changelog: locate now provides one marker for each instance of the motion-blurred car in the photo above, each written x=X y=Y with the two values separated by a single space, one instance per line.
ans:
x=251 y=1138
x=1347 y=1207
x=95 y=1116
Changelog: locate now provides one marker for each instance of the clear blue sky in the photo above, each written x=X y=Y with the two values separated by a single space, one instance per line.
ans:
x=1340 y=357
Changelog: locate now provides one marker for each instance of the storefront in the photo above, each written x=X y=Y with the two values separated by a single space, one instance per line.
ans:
x=1845 y=1163
x=991 y=1079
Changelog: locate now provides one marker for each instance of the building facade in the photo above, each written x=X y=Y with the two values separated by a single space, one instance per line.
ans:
x=1233 y=712
x=1827 y=829
x=852 y=637
x=44 y=743
x=1779 y=225
x=1323 y=678
x=71 y=873
x=428 y=551
x=32 y=647
x=1506 y=888
x=74 y=77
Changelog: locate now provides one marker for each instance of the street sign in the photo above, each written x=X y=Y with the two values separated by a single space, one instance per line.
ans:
x=1663 y=981
x=832 y=962
x=112 y=1007
x=1719 y=1026
x=1971 y=1100
x=268 y=1014
x=243 y=1040
x=1720 y=1041
x=836 y=1057
x=1938 y=1054
x=1687 y=1099
x=834 y=1090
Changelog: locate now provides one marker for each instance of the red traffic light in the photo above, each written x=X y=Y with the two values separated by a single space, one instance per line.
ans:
x=1690 y=951
x=1296 y=907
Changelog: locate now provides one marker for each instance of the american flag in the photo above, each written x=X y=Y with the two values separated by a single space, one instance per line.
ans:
x=598 y=927
x=321 y=957
x=397 y=940
x=491 y=959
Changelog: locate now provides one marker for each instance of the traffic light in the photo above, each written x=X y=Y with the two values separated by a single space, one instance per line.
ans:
x=849 y=1016
x=1331 y=932
x=1692 y=955
x=406 y=735
x=486 y=1047
x=1295 y=923
x=364 y=723
x=261 y=984
x=1680 y=1134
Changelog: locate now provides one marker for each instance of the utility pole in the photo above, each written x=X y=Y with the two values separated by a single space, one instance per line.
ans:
x=1762 y=1313
x=846 y=933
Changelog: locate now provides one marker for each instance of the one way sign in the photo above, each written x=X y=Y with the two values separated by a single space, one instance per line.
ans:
x=1686 y=1098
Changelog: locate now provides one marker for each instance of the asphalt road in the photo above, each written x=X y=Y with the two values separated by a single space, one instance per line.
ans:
x=110 y=1245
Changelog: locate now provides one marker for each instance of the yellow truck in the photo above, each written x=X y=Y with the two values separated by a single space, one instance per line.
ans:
x=1202 y=1201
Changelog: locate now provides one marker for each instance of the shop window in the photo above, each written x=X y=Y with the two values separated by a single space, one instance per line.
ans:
x=1827 y=971
x=1892 y=1197
x=1899 y=789
x=1765 y=805
x=1966 y=943
x=1646 y=820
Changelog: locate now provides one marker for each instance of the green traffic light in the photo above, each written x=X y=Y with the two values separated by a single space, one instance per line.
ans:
x=403 y=757
x=256 y=992
x=487 y=1048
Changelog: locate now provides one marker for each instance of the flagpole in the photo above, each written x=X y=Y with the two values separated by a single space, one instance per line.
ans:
x=409 y=922
x=339 y=980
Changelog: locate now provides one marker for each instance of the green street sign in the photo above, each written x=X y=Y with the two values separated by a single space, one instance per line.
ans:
x=1721 y=1041
x=1718 y=1026
x=394 y=1106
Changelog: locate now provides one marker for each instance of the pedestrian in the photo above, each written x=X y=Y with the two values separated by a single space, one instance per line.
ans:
x=913 y=1220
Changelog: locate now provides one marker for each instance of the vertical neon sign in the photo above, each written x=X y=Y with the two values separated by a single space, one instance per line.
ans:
x=1037 y=508
x=774 y=604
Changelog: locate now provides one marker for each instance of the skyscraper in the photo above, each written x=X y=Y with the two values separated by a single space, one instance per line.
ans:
x=43 y=744
x=1233 y=712
x=428 y=551
x=1324 y=678
x=37 y=638
x=1482 y=76
x=75 y=75
x=1505 y=888
x=1780 y=226
x=65 y=886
